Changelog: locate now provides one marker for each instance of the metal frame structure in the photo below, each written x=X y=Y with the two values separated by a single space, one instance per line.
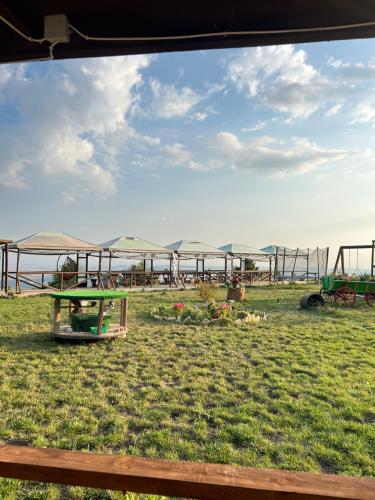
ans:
x=340 y=261
x=4 y=244
x=281 y=254
x=26 y=277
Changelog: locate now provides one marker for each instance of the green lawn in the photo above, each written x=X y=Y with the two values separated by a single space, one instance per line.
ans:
x=296 y=392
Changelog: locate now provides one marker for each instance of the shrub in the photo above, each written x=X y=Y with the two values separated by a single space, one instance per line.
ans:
x=206 y=291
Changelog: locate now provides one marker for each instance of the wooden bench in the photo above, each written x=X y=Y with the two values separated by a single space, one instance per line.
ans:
x=181 y=479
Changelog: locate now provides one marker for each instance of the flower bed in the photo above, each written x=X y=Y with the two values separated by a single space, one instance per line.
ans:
x=223 y=314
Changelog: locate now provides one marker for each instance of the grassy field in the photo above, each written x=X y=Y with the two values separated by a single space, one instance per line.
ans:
x=296 y=392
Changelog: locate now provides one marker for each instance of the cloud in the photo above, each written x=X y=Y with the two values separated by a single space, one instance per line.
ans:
x=169 y=101
x=176 y=154
x=270 y=156
x=333 y=110
x=72 y=114
x=364 y=111
x=281 y=77
x=199 y=116
x=258 y=126
x=353 y=72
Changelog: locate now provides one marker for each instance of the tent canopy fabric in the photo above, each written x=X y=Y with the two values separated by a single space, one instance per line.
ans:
x=244 y=251
x=144 y=26
x=53 y=244
x=134 y=247
x=195 y=249
x=282 y=250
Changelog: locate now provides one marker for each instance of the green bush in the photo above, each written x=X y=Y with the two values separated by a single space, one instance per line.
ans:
x=206 y=291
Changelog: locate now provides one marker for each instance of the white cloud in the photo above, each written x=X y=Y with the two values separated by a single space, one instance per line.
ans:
x=281 y=77
x=333 y=110
x=270 y=156
x=176 y=154
x=72 y=114
x=199 y=116
x=353 y=72
x=170 y=101
x=364 y=111
x=258 y=126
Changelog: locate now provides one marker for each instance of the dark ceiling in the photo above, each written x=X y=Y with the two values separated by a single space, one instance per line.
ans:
x=144 y=18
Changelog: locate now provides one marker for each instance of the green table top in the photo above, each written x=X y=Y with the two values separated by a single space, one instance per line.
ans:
x=90 y=294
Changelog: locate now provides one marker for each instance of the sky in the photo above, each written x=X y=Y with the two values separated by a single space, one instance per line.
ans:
x=266 y=145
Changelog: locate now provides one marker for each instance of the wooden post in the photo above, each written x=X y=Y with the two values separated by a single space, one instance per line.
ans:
x=110 y=270
x=77 y=276
x=270 y=269
x=100 y=282
x=6 y=268
x=170 y=272
x=342 y=261
x=2 y=268
x=307 y=265
x=57 y=316
x=87 y=269
x=124 y=313
x=18 y=286
x=100 y=316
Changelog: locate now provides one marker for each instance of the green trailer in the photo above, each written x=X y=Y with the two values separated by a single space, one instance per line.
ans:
x=341 y=291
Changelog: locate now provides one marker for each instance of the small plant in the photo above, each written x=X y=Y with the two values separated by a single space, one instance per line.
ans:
x=208 y=314
x=206 y=291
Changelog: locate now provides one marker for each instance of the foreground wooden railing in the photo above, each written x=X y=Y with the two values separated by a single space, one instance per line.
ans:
x=181 y=479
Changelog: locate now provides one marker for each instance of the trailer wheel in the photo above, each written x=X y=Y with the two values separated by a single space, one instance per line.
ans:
x=345 y=296
x=310 y=301
x=370 y=299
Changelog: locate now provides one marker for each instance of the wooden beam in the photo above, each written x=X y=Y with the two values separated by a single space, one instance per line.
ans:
x=124 y=313
x=181 y=479
x=100 y=316
x=57 y=316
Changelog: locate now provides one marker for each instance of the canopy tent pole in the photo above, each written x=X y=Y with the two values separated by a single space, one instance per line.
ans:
x=270 y=268
x=6 y=282
x=2 y=267
x=317 y=255
x=18 y=286
x=100 y=284
x=87 y=268
x=170 y=272
x=326 y=266
x=294 y=264
x=307 y=265
x=77 y=277
x=110 y=270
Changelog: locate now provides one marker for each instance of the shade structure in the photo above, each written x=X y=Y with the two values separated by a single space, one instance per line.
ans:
x=190 y=249
x=132 y=247
x=298 y=262
x=53 y=244
x=281 y=250
x=244 y=252
x=147 y=26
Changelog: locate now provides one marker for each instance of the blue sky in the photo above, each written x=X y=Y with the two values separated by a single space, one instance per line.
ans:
x=258 y=146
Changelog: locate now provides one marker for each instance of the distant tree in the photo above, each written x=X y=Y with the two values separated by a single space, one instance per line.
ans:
x=250 y=265
x=68 y=278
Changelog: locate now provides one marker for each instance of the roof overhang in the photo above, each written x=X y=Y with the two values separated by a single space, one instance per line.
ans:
x=171 y=25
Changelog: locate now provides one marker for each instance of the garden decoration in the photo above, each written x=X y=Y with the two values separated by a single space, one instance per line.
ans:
x=343 y=291
x=89 y=314
x=235 y=290
x=212 y=314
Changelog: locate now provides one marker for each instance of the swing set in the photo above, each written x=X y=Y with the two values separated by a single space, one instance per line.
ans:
x=342 y=288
